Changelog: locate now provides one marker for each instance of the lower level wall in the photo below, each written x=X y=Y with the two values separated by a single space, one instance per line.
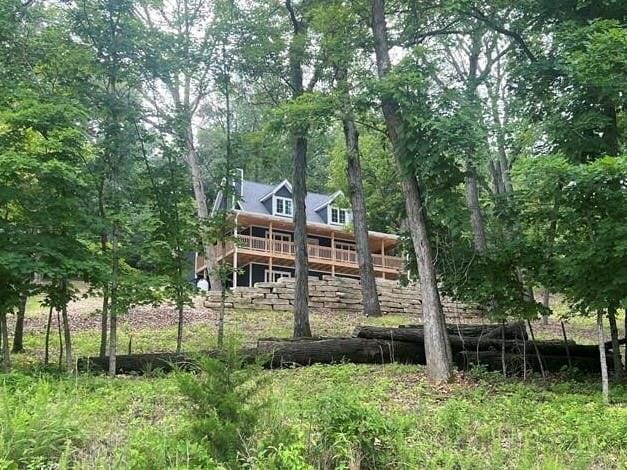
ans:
x=334 y=294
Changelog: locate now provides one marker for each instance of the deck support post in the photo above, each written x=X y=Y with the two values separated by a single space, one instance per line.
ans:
x=235 y=255
x=332 y=254
x=271 y=241
x=382 y=253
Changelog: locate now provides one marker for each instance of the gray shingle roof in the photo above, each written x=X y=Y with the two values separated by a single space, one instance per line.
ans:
x=253 y=193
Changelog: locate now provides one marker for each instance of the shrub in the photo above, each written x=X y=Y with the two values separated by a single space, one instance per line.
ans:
x=353 y=435
x=226 y=403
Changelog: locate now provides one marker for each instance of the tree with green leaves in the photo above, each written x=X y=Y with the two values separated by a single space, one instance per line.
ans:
x=339 y=27
x=111 y=30
x=437 y=346
x=180 y=51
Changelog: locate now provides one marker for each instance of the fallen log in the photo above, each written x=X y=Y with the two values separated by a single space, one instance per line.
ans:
x=281 y=352
x=492 y=360
x=137 y=363
x=515 y=330
x=272 y=353
x=416 y=335
x=151 y=362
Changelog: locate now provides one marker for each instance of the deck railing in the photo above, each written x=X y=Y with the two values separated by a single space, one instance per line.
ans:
x=315 y=252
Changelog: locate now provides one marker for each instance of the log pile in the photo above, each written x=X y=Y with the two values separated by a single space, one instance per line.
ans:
x=493 y=345
x=488 y=345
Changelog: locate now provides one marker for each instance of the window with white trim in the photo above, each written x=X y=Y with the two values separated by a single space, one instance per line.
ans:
x=283 y=206
x=273 y=276
x=339 y=216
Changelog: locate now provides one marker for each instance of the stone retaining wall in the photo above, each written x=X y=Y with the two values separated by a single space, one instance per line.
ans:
x=334 y=294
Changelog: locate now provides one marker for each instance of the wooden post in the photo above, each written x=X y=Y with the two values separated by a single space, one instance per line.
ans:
x=235 y=255
x=271 y=241
x=333 y=254
x=382 y=253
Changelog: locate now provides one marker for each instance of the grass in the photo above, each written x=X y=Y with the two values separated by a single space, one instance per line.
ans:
x=318 y=416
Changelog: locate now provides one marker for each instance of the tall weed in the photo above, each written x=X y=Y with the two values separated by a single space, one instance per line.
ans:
x=351 y=434
x=35 y=428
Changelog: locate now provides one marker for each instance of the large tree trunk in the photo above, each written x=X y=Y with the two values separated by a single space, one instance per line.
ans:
x=200 y=197
x=437 y=347
x=618 y=366
x=298 y=139
x=301 y=293
x=18 y=337
x=604 y=378
x=356 y=193
x=4 y=336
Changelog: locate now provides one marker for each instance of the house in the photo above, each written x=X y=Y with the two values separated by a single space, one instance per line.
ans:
x=265 y=231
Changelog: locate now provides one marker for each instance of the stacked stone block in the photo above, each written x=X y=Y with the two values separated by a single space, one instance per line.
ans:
x=335 y=294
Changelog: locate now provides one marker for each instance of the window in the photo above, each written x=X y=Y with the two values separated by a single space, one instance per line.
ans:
x=339 y=216
x=282 y=206
x=273 y=276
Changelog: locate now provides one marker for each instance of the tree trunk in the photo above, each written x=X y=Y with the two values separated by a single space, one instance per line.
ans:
x=474 y=207
x=618 y=365
x=113 y=341
x=4 y=333
x=179 y=330
x=69 y=362
x=546 y=303
x=472 y=188
x=356 y=193
x=535 y=347
x=570 y=364
x=201 y=208
x=47 y=345
x=604 y=379
x=60 y=333
x=114 y=307
x=503 y=364
x=301 y=293
x=221 y=317
x=18 y=337
x=437 y=347
x=104 y=320
x=503 y=161
x=298 y=139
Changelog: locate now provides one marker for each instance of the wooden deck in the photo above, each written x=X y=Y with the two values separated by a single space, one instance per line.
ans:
x=257 y=249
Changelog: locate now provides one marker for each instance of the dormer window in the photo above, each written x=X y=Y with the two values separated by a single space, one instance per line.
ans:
x=283 y=206
x=339 y=216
